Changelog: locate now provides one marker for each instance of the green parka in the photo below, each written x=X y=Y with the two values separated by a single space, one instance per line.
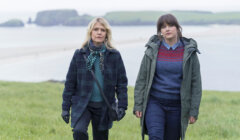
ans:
x=191 y=87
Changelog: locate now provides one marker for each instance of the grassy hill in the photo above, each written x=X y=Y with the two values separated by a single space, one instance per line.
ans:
x=184 y=17
x=12 y=23
x=31 y=111
x=70 y=17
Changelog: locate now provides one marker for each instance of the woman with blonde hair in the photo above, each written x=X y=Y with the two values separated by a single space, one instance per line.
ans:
x=96 y=74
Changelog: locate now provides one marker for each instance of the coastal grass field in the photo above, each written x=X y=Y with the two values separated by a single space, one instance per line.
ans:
x=31 y=111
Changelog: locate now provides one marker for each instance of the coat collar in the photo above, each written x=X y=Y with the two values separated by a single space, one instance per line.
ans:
x=85 y=50
x=152 y=47
x=154 y=42
x=190 y=44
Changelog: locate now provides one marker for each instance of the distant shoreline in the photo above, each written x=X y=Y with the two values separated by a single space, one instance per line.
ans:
x=70 y=17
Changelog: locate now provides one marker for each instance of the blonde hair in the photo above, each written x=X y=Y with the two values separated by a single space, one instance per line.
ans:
x=105 y=24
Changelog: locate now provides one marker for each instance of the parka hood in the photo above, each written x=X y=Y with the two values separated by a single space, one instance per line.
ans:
x=190 y=44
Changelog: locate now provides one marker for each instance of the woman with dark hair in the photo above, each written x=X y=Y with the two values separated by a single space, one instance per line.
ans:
x=82 y=91
x=168 y=88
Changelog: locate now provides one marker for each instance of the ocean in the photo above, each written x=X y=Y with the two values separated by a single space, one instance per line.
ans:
x=219 y=58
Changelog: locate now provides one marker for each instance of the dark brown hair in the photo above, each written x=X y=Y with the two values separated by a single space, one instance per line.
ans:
x=170 y=20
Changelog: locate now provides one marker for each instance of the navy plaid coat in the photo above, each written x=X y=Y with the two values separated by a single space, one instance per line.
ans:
x=79 y=83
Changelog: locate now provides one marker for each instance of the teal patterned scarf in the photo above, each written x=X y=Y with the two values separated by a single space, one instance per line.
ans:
x=94 y=52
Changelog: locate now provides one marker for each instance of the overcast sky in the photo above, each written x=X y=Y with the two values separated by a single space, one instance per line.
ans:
x=100 y=7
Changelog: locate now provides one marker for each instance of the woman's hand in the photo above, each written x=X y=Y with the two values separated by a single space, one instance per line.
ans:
x=192 y=120
x=138 y=114
x=121 y=113
x=65 y=116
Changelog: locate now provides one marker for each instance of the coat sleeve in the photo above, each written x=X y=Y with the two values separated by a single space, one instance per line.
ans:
x=140 y=86
x=121 y=86
x=70 y=84
x=196 y=85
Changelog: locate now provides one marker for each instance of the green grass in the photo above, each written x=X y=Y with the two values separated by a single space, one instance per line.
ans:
x=31 y=111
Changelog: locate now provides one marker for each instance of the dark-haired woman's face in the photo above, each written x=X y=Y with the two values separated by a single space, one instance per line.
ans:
x=169 y=32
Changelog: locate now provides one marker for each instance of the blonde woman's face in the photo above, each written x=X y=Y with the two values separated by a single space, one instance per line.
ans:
x=98 y=34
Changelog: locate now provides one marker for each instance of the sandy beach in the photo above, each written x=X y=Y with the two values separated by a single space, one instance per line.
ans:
x=9 y=55
x=20 y=53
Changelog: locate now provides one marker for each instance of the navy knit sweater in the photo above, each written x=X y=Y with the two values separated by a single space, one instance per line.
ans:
x=168 y=74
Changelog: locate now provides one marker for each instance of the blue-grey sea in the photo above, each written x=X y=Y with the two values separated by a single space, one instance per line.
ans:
x=218 y=44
